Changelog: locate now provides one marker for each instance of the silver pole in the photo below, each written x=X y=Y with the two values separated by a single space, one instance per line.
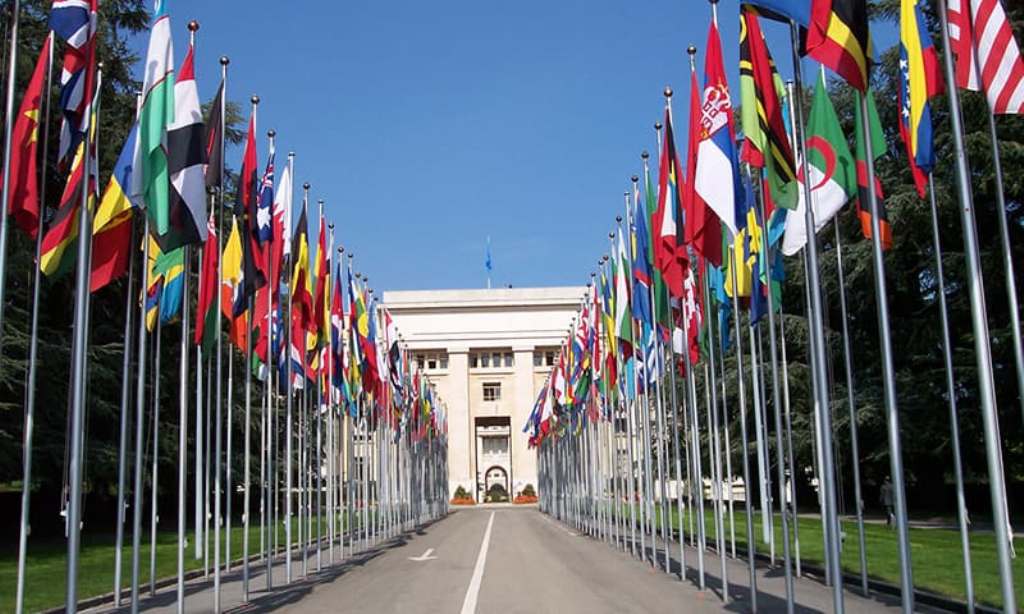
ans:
x=267 y=458
x=854 y=447
x=789 y=446
x=818 y=337
x=182 y=437
x=954 y=428
x=140 y=414
x=218 y=422
x=155 y=460
x=30 y=384
x=986 y=384
x=5 y=181
x=710 y=389
x=254 y=100
x=751 y=540
x=888 y=379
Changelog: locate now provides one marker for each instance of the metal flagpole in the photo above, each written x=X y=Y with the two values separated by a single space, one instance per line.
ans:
x=219 y=352
x=140 y=425
x=266 y=459
x=208 y=461
x=246 y=479
x=710 y=390
x=5 y=180
x=200 y=483
x=30 y=384
x=288 y=471
x=80 y=358
x=182 y=435
x=763 y=478
x=777 y=406
x=954 y=428
x=986 y=385
x=789 y=446
x=854 y=447
x=330 y=402
x=888 y=380
x=122 y=449
x=818 y=336
x=751 y=541
x=155 y=459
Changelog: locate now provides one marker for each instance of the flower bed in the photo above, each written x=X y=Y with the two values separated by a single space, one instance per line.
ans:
x=462 y=501
x=524 y=499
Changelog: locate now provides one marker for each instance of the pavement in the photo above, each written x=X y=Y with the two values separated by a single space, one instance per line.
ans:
x=507 y=559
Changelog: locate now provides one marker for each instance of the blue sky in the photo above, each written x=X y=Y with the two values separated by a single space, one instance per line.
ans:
x=427 y=127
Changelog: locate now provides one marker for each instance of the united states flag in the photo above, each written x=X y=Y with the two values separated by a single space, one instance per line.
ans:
x=981 y=27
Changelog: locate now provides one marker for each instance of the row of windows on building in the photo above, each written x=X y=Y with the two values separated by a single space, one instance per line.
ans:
x=438 y=361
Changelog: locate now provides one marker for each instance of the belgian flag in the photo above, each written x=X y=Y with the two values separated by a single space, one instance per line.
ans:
x=839 y=38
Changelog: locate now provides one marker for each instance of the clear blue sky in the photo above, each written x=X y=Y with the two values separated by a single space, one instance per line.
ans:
x=427 y=126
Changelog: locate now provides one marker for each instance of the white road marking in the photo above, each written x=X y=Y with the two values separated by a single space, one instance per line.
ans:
x=424 y=557
x=469 y=603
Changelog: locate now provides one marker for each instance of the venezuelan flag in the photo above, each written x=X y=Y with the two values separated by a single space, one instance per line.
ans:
x=920 y=79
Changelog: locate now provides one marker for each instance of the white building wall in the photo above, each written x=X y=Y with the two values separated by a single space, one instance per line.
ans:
x=461 y=323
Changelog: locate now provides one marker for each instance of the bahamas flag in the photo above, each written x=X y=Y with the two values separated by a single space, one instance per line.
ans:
x=920 y=79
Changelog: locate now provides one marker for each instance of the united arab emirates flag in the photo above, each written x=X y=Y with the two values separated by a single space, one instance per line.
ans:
x=831 y=168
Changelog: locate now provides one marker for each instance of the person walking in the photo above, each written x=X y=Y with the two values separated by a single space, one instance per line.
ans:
x=885 y=496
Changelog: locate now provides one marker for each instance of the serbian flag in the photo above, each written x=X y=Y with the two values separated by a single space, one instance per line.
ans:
x=920 y=79
x=703 y=228
x=717 y=173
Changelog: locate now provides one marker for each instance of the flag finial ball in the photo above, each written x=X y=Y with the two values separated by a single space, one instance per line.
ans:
x=305 y=186
x=692 y=50
x=330 y=227
x=341 y=249
x=604 y=258
x=193 y=25
x=657 y=125
x=99 y=65
x=634 y=179
x=224 y=60
x=320 y=202
x=271 y=133
x=668 y=92
x=254 y=99
x=611 y=235
x=644 y=154
x=618 y=218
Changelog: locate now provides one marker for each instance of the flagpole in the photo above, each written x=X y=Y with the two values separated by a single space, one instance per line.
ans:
x=777 y=406
x=254 y=100
x=182 y=429
x=789 y=445
x=30 y=384
x=267 y=458
x=820 y=387
x=329 y=308
x=751 y=540
x=154 y=483
x=218 y=394
x=80 y=358
x=5 y=180
x=854 y=447
x=140 y=423
x=983 y=355
x=888 y=374
x=122 y=448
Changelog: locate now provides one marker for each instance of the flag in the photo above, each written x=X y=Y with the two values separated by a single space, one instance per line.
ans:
x=766 y=144
x=831 y=167
x=841 y=41
x=321 y=267
x=878 y=149
x=23 y=182
x=669 y=249
x=112 y=226
x=301 y=293
x=797 y=10
x=57 y=254
x=337 y=339
x=151 y=175
x=282 y=244
x=215 y=141
x=245 y=210
x=641 y=303
x=488 y=263
x=265 y=202
x=74 y=22
x=233 y=299
x=717 y=174
x=172 y=267
x=981 y=26
x=623 y=321
x=920 y=79
x=186 y=159
x=206 y=314
x=703 y=228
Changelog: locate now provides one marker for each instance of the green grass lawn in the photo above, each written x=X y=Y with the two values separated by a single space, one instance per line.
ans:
x=935 y=554
x=45 y=579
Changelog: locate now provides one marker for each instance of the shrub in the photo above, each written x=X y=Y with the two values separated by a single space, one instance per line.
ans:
x=497 y=494
x=528 y=491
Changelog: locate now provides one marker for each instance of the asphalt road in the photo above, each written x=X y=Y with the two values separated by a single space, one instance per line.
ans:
x=507 y=559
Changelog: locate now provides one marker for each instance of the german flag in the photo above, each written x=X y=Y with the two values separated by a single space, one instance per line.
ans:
x=839 y=38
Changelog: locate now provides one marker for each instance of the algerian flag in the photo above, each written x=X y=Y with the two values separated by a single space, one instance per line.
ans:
x=151 y=179
x=623 y=318
x=832 y=172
